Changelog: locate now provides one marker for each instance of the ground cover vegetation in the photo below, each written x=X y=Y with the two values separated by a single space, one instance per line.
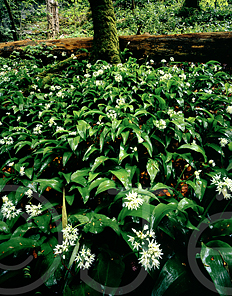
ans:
x=153 y=17
x=125 y=161
x=109 y=172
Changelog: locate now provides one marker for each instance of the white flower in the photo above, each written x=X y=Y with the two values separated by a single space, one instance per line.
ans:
x=59 y=129
x=112 y=114
x=163 y=61
x=51 y=122
x=8 y=209
x=58 y=87
x=134 y=149
x=10 y=164
x=160 y=124
x=60 y=94
x=71 y=86
x=73 y=56
x=47 y=106
x=84 y=258
x=70 y=234
x=223 y=142
x=29 y=193
x=182 y=76
x=55 y=57
x=188 y=84
x=140 y=140
x=87 y=75
x=18 y=118
x=229 y=109
x=40 y=113
x=171 y=59
x=63 y=54
x=197 y=174
x=98 y=82
x=193 y=100
x=118 y=77
x=134 y=201
x=89 y=65
x=21 y=172
x=37 y=129
x=120 y=101
x=5 y=198
x=211 y=161
x=53 y=87
x=33 y=210
x=222 y=186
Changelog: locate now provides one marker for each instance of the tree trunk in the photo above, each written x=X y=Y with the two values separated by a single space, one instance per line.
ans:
x=11 y=20
x=191 y=4
x=105 y=42
x=52 y=18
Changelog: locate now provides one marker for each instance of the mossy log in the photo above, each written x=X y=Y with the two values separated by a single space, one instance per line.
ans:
x=199 y=47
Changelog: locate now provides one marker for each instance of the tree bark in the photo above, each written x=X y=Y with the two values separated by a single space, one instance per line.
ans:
x=52 y=18
x=105 y=42
x=11 y=20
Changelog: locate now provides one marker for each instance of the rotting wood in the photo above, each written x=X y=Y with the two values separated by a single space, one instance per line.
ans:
x=200 y=47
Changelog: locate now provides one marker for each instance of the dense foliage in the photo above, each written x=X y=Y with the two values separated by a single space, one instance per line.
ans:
x=154 y=17
x=128 y=160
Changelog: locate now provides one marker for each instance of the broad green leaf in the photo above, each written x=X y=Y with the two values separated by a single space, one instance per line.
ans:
x=215 y=147
x=66 y=157
x=123 y=176
x=196 y=148
x=122 y=154
x=201 y=186
x=186 y=203
x=74 y=142
x=105 y=185
x=55 y=183
x=160 y=211
x=78 y=176
x=110 y=269
x=70 y=199
x=97 y=223
x=43 y=222
x=16 y=244
x=173 y=279
x=144 y=211
x=89 y=151
x=99 y=160
x=214 y=264
x=81 y=128
x=4 y=227
x=152 y=169
x=84 y=192
x=81 y=218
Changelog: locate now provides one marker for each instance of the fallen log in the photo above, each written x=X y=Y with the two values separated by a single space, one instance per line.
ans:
x=199 y=47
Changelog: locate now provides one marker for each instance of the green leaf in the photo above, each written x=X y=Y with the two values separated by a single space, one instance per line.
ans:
x=97 y=223
x=186 y=203
x=122 y=154
x=105 y=185
x=216 y=148
x=89 y=151
x=74 y=142
x=123 y=176
x=16 y=244
x=78 y=176
x=70 y=199
x=81 y=218
x=196 y=148
x=66 y=157
x=55 y=183
x=152 y=169
x=81 y=128
x=173 y=279
x=110 y=269
x=99 y=160
x=4 y=227
x=144 y=212
x=201 y=186
x=84 y=191
x=214 y=265
x=43 y=222
x=160 y=211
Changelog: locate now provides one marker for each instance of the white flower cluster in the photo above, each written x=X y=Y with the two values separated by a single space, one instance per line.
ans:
x=52 y=122
x=222 y=186
x=37 y=129
x=70 y=235
x=29 y=193
x=112 y=114
x=21 y=172
x=8 y=209
x=7 y=141
x=172 y=113
x=120 y=101
x=98 y=73
x=84 y=258
x=134 y=201
x=150 y=251
x=118 y=77
x=212 y=162
x=166 y=76
x=98 y=82
x=182 y=76
x=223 y=142
x=33 y=210
x=160 y=124
x=229 y=109
x=134 y=149
x=59 y=129
x=60 y=94
x=197 y=174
